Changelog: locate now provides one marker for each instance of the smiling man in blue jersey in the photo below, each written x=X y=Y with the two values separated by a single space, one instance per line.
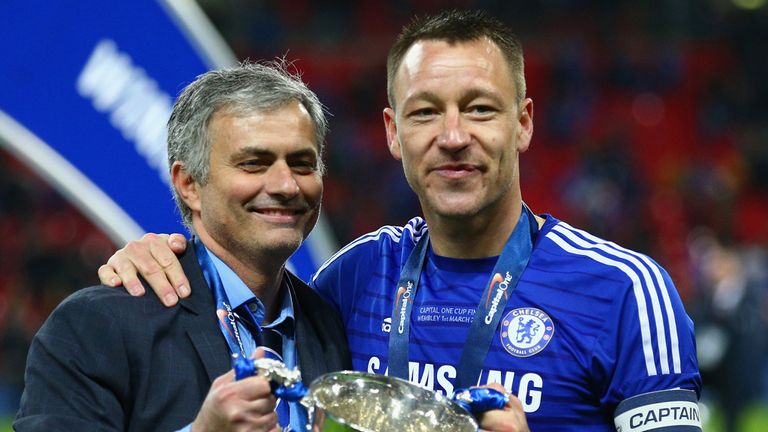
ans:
x=587 y=334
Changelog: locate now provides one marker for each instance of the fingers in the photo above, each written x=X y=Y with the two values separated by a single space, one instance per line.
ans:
x=177 y=243
x=250 y=388
x=511 y=418
x=257 y=423
x=237 y=416
x=258 y=353
x=254 y=387
x=503 y=421
x=144 y=255
x=140 y=258
x=515 y=404
x=125 y=271
x=247 y=404
x=164 y=254
x=223 y=379
x=108 y=277
x=153 y=258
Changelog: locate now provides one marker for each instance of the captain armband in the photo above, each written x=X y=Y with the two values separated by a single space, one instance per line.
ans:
x=669 y=410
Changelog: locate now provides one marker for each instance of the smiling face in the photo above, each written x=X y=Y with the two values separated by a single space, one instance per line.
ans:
x=458 y=129
x=262 y=196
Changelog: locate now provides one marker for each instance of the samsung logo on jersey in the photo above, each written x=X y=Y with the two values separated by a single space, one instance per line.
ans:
x=500 y=291
x=528 y=386
x=404 y=294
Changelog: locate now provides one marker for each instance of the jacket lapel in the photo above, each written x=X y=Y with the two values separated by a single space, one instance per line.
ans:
x=200 y=322
x=311 y=361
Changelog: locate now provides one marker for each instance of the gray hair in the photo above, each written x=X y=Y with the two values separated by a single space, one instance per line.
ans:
x=249 y=87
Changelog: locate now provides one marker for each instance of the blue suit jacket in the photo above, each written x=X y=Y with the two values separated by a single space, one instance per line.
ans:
x=107 y=361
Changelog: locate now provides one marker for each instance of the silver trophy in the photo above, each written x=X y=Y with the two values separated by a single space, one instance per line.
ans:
x=364 y=402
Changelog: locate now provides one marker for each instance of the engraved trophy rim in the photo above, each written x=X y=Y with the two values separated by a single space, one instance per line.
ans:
x=404 y=387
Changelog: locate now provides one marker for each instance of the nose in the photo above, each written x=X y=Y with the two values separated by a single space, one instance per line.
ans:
x=454 y=136
x=279 y=181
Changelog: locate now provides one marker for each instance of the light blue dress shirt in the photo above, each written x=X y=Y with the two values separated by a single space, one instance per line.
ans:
x=238 y=293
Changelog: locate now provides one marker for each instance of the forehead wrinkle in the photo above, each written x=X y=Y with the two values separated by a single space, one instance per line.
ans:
x=436 y=59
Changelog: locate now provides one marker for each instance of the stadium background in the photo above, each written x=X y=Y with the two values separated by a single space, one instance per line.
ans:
x=651 y=130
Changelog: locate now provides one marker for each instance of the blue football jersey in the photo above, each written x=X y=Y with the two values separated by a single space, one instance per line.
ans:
x=590 y=325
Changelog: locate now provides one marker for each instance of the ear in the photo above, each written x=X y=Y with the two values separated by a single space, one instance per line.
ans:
x=525 y=123
x=185 y=186
x=392 y=140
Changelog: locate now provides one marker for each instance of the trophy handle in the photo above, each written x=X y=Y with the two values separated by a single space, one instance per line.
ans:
x=286 y=383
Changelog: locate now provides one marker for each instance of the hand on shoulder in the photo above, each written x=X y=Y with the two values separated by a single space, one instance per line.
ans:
x=152 y=257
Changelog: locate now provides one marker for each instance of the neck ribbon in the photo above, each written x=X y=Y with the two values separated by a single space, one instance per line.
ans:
x=226 y=317
x=503 y=280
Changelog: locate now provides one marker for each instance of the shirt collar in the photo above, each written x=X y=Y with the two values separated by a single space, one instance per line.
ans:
x=238 y=293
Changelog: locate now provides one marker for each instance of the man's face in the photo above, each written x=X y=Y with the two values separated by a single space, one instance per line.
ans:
x=457 y=128
x=264 y=186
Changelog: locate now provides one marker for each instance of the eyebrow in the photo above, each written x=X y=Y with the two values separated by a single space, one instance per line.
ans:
x=421 y=95
x=476 y=93
x=265 y=152
x=471 y=94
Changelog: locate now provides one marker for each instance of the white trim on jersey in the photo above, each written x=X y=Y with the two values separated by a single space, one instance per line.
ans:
x=642 y=311
x=415 y=226
x=662 y=286
x=661 y=335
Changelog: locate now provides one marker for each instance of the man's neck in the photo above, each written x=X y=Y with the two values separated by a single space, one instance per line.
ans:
x=477 y=236
x=262 y=276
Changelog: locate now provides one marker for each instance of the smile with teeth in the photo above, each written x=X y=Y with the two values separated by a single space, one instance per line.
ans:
x=277 y=211
x=279 y=214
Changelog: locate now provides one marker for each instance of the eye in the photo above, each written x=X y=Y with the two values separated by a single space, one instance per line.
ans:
x=481 y=110
x=253 y=165
x=304 y=166
x=423 y=113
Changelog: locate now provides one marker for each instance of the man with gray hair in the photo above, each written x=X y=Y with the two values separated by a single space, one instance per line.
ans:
x=244 y=151
x=481 y=290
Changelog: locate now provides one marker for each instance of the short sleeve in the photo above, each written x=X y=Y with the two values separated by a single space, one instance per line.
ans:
x=647 y=344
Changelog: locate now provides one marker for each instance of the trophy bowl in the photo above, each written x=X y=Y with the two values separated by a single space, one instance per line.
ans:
x=363 y=402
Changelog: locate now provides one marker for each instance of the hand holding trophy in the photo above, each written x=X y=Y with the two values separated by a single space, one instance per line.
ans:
x=364 y=402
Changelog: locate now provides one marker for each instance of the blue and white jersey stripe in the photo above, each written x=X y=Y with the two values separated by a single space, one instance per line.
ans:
x=415 y=228
x=658 y=283
x=615 y=325
x=636 y=267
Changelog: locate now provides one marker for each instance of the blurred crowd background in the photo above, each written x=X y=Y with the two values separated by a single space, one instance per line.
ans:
x=651 y=130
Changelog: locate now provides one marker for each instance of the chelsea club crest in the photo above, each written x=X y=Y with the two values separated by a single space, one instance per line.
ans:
x=526 y=331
